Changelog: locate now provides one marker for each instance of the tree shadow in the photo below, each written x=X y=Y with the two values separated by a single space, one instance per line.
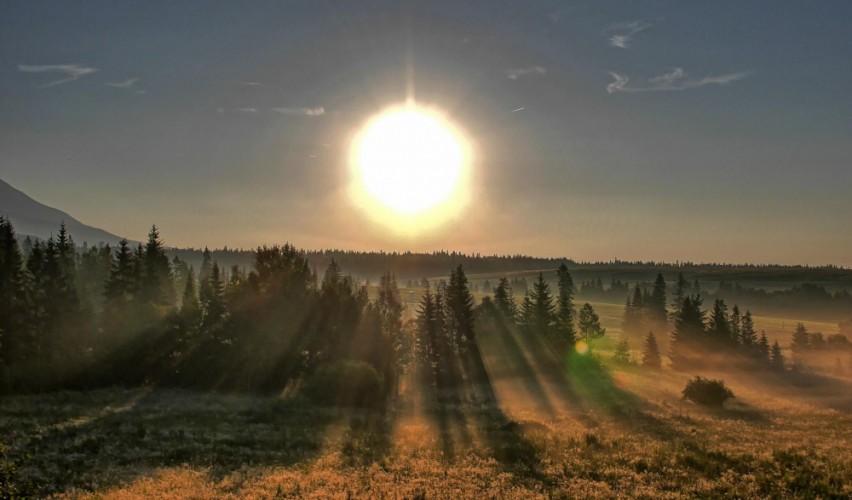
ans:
x=460 y=401
x=139 y=431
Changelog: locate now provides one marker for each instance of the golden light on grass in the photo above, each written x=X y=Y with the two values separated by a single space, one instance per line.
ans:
x=410 y=168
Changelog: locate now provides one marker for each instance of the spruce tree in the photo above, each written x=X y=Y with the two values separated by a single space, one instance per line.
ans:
x=540 y=312
x=748 y=336
x=763 y=348
x=801 y=339
x=718 y=327
x=590 y=324
x=776 y=358
x=634 y=311
x=736 y=324
x=565 y=333
x=121 y=283
x=215 y=308
x=680 y=293
x=190 y=308
x=13 y=308
x=657 y=303
x=622 y=351
x=460 y=308
x=688 y=335
x=504 y=301
x=651 y=352
x=156 y=286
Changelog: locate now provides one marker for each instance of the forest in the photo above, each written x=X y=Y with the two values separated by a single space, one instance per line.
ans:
x=96 y=319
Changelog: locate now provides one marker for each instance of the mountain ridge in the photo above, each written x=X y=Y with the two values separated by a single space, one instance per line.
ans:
x=33 y=218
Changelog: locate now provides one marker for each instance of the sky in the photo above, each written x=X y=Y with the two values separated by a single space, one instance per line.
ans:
x=659 y=130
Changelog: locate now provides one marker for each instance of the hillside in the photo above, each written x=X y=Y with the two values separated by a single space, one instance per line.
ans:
x=37 y=219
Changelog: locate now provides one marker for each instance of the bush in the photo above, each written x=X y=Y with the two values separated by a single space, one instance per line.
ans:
x=346 y=383
x=707 y=392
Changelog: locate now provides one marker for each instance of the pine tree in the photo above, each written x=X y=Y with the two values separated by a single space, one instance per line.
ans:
x=204 y=291
x=215 y=308
x=389 y=303
x=801 y=339
x=688 y=334
x=651 y=353
x=566 y=335
x=622 y=351
x=590 y=324
x=121 y=283
x=762 y=349
x=719 y=328
x=680 y=293
x=13 y=336
x=634 y=311
x=504 y=301
x=736 y=324
x=190 y=308
x=748 y=337
x=657 y=303
x=539 y=313
x=459 y=303
x=776 y=358
x=156 y=285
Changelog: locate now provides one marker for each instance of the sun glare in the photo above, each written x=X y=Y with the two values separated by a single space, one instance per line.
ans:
x=410 y=167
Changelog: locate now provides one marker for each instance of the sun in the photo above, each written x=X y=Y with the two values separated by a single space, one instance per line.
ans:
x=410 y=167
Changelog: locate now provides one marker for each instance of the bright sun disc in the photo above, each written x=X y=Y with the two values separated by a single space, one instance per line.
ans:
x=410 y=165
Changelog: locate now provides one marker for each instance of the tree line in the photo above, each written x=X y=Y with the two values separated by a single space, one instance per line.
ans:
x=74 y=318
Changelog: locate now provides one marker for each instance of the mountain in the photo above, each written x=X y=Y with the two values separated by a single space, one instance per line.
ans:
x=37 y=219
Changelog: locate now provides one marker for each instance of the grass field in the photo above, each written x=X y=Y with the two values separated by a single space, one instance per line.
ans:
x=606 y=434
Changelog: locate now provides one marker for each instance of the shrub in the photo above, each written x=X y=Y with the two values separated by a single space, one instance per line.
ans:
x=346 y=383
x=707 y=392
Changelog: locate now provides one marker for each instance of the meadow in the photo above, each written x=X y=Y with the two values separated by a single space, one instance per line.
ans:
x=610 y=431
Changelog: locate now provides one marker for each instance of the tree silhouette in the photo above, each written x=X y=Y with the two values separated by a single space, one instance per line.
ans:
x=565 y=333
x=622 y=351
x=776 y=358
x=688 y=334
x=590 y=324
x=651 y=353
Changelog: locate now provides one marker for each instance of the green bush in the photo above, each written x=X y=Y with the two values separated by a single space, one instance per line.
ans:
x=705 y=391
x=346 y=383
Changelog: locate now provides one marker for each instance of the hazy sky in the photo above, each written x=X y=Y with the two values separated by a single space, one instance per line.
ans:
x=703 y=131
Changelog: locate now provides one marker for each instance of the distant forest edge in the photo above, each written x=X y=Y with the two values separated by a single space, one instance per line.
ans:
x=801 y=291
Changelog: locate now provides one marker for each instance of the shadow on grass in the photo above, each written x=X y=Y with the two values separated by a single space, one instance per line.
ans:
x=137 y=431
x=460 y=401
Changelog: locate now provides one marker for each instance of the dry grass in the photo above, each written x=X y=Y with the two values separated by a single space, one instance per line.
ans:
x=628 y=436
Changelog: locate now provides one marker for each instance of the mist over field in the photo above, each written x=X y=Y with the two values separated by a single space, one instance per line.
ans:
x=383 y=249
x=126 y=372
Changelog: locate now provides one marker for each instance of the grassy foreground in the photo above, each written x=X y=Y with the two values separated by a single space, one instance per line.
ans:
x=629 y=435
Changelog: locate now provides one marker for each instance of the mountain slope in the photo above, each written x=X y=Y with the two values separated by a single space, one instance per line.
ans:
x=37 y=219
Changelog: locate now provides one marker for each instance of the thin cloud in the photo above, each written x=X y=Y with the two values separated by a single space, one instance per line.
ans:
x=318 y=111
x=71 y=71
x=674 y=80
x=247 y=110
x=516 y=73
x=621 y=34
x=126 y=84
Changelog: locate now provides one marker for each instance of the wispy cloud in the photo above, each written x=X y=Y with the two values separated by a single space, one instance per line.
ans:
x=71 y=71
x=516 y=73
x=247 y=110
x=621 y=34
x=126 y=84
x=675 y=80
x=318 y=111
